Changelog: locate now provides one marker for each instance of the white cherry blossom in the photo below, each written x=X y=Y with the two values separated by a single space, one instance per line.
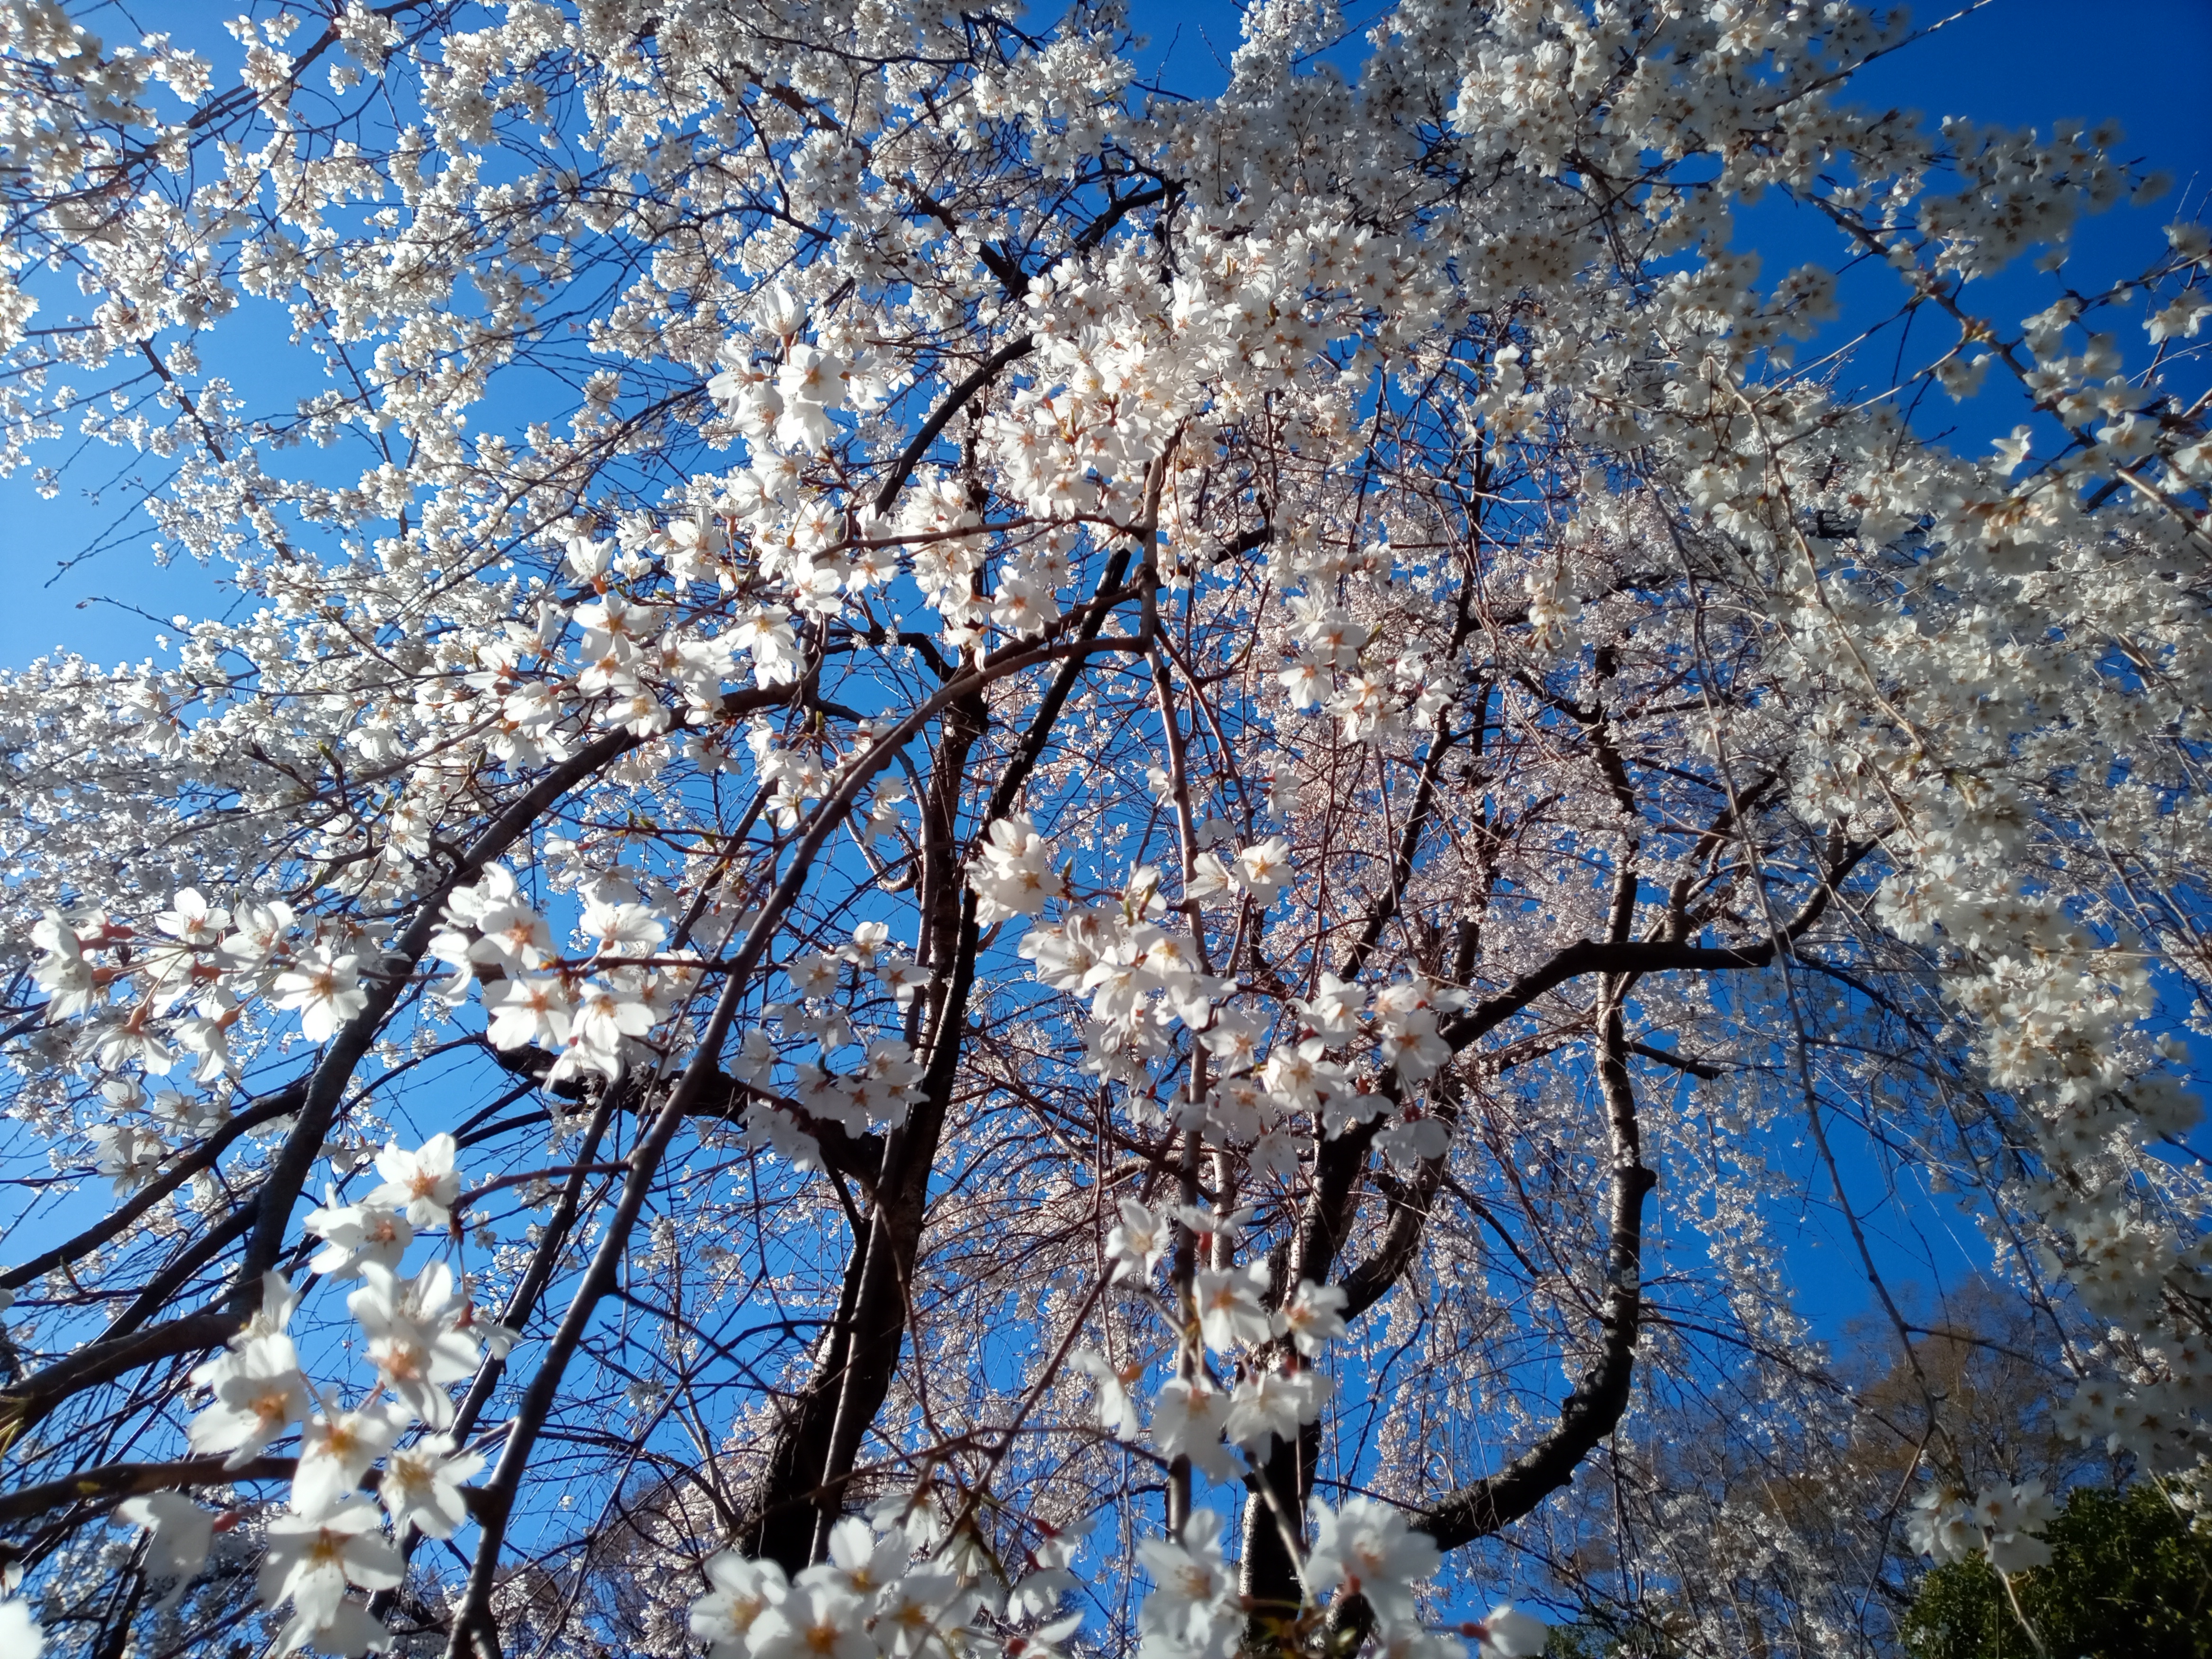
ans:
x=1367 y=1548
x=743 y=1590
x=325 y=988
x=1193 y=1607
x=180 y=1532
x=1510 y=1633
x=311 y=1560
x=1188 y=1420
x=422 y=1484
x=423 y=1182
x=1312 y=1318
x=964 y=707
x=417 y=1339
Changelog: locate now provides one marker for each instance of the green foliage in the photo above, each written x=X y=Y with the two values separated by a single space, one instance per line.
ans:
x=1578 y=1641
x=1600 y=1635
x=2126 y=1580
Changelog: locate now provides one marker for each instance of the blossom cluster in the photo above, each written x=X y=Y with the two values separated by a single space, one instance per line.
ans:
x=419 y=1335
x=2000 y=1524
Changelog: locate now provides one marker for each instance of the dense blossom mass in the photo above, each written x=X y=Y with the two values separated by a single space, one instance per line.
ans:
x=974 y=862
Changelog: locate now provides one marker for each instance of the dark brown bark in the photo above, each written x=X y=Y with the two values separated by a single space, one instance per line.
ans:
x=814 y=1449
x=1593 y=1407
x=819 y=1441
x=1592 y=1410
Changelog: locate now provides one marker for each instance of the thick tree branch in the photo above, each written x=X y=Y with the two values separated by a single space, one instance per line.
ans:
x=203 y=1157
x=112 y=1482
x=1590 y=1412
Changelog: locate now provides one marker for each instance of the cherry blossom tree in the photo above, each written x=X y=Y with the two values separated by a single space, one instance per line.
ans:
x=977 y=862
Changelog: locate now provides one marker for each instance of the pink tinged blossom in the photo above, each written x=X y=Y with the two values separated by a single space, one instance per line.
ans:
x=1021 y=607
x=869 y=941
x=273 y=1318
x=467 y=907
x=1363 y=711
x=1407 y=1012
x=1367 y=1548
x=616 y=618
x=1116 y=981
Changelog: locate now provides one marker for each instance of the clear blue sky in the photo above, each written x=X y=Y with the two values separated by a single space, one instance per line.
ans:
x=2017 y=62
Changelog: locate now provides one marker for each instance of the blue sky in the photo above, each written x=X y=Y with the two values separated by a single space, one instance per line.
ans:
x=2017 y=62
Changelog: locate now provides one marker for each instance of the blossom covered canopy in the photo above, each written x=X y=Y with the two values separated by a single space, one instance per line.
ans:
x=990 y=833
